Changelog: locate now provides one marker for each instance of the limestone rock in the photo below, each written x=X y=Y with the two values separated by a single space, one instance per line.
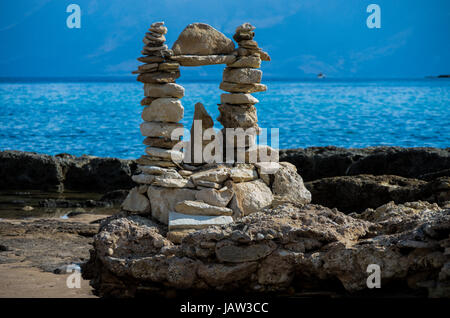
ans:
x=152 y=161
x=158 y=77
x=185 y=221
x=198 y=60
x=150 y=59
x=136 y=202
x=202 y=39
x=173 y=155
x=164 y=90
x=245 y=27
x=164 y=110
x=248 y=44
x=232 y=116
x=242 y=88
x=243 y=173
x=288 y=185
x=219 y=175
x=242 y=75
x=215 y=197
x=146 y=101
x=168 y=67
x=201 y=208
x=155 y=170
x=143 y=178
x=163 y=200
x=239 y=98
x=177 y=236
x=226 y=251
x=155 y=129
x=252 y=61
x=168 y=182
x=201 y=184
x=160 y=142
x=197 y=143
x=250 y=197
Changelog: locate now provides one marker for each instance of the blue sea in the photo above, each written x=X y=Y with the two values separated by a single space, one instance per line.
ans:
x=102 y=117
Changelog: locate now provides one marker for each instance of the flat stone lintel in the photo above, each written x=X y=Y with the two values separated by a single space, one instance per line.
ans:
x=199 y=60
x=178 y=221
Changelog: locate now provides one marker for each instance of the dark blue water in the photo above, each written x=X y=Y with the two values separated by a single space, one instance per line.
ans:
x=102 y=118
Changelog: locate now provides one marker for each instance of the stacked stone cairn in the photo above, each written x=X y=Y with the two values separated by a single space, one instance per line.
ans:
x=189 y=197
x=240 y=78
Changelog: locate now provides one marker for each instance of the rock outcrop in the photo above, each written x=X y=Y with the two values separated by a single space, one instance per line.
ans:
x=28 y=170
x=357 y=193
x=288 y=249
x=322 y=162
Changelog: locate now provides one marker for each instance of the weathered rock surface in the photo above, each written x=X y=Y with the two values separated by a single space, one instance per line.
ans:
x=154 y=129
x=29 y=170
x=202 y=39
x=136 y=202
x=242 y=75
x=238 y=98
x=179 y=221
x=357 y=193
x=198 y=60
x=201 y=208
x=322 y=162
x=167 y=110
x=215 y=197
x=242 y=88
x=288 y=249
x=250 y=197
x=164 y=90
x=163 y=200
x=288 y=185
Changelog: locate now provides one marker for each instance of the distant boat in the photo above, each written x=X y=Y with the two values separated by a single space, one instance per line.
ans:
x=321 y=75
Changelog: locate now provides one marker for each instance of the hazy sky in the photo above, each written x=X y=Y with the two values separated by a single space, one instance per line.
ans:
x=303 y=37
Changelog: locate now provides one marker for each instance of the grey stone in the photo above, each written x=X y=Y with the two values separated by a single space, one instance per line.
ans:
x=201 y=208
x=184 y=221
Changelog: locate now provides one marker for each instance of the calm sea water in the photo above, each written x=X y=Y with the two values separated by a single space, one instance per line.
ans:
x=102 y=118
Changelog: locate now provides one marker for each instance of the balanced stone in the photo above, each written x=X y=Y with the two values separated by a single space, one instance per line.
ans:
x=237 y=98
x=252 y=61
x=202 y=39
x=168 y=67
x=150 y=59
x=232 y=116
x=150 y=49
x=148 y=68
x=215 y=197
x=243 y=173
x=218 y=175
x=158 y=29
x=155 y=170
x=248 y=44
x=185 y=221
x=245 y=27
x=158 y=77
x=143 y=178
x=163 y=90
x=207 y=184
x=174 y=155
x=147 y=160
x=165 y=110
x=155 y=129
x=147 y=101
x=198 y=60
x=170 y=182
x=242 y=88
x=160 y=142
x=250 y=197
x=243 y=35
x=241 y=75
x=136 y=202
x=163 y=200
x=201 y=208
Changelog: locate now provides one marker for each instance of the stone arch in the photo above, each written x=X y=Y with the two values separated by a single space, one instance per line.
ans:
x=198 y=45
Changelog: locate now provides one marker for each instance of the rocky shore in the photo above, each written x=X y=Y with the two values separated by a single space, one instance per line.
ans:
x=351 y=180
x=386 y=205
